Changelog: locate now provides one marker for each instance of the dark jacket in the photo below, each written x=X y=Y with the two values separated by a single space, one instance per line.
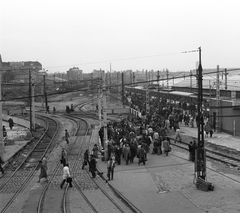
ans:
x=92 y=165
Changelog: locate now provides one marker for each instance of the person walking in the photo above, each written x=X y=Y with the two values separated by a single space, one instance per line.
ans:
x=66 y=176
x=95 y=151
x=1 y=168
x=166 y=146
x=190 y=150
x=141 y=155
x=47 y=109
x=178 y=135
x=4 y=131
x=110 y=168
x=43 y=171
x=64 y=157
x=126 y=152
x=194 y=147
x=11 y=123
x=93 y=166
x=67 y=136
x=207 y=129
x=118 y=154
x=44 y=162
x=85 y=159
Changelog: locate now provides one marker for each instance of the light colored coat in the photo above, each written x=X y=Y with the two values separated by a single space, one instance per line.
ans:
x=66 y=172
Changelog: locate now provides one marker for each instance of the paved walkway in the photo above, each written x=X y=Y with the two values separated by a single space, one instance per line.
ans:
x=165 y=184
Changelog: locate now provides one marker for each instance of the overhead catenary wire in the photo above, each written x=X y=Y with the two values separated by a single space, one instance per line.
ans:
x=126 y=84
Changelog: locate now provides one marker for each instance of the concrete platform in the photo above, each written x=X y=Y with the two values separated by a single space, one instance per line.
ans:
x=138 y=185
x=221 y=138
x=166 y=183
x=18 y=135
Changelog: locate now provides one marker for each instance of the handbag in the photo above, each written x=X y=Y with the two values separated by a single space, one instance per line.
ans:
x=69 y=179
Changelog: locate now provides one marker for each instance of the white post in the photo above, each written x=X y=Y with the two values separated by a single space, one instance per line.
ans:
x=1 y=130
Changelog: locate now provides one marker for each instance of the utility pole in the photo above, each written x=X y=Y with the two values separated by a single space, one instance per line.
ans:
x=44 y=89
x=191 y=92
x=105 y=116
x=123 y=92
x=163 y=79
x=158 y=77
x=33 y=101
x=99 y=100
x=147 y=95
x=30 y=99
x=54 y=83
x=110 y=75
x=134 y=81
x=149 y=76
x=118 y=88
x=200 y=153
x=218 y=101
x=2 y=148
x=152 y=76
x=225 y=78
x=62 y=86
x=92 y=86
x=167 y=72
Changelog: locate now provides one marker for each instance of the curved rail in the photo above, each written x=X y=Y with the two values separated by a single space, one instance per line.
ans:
x=55 y=171
x=26 y=170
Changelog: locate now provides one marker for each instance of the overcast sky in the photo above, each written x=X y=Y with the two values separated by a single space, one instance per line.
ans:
x=129 y=34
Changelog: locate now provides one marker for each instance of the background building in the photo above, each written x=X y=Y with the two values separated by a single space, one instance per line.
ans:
x=75 y=74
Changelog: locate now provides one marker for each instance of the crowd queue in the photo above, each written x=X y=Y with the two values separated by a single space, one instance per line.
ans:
x=134 y=138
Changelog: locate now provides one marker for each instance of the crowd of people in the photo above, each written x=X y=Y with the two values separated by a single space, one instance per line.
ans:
x=133 y=138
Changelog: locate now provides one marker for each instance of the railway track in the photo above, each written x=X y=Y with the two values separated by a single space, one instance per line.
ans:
x=211 y=154
x=17 y=178
x=89 y=189
x=57 y=171
x=100 y=192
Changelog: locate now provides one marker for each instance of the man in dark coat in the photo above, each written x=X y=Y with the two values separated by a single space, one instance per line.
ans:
x=190 y=150
x=85 y=158
x=194 y=147
x=118 y=154
x=93 y=166
x=11 y=124
x=1 y=162
x=141 y=154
